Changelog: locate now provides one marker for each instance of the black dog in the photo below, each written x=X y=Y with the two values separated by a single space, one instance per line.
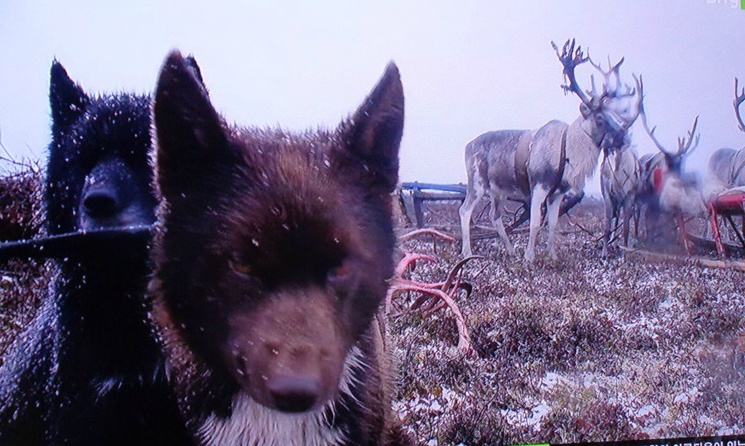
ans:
x=272 y=259
x=88 y=370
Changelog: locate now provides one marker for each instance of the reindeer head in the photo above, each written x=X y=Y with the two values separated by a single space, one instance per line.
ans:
x=673 y=161
x=610 y=112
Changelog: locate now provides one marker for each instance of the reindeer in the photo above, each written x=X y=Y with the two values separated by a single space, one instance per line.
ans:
x=549 y=163
x=619 y=183
x=727 y=166
x=647 y=198
x=676 y=193
x=619 y=176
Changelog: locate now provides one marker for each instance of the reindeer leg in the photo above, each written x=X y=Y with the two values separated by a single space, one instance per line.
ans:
x=684 y=234
x=474 y=194
x=608 y=225
x=496 y=219
x=537 y=198
x=636 y=213
x=627 y=213
x=552 y=210
x=714 y=223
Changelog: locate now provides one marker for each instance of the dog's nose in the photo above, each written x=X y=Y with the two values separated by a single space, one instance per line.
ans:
x=101 y=204
x=293 y=393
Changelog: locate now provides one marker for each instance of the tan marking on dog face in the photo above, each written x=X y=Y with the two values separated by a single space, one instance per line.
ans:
x=288 y=353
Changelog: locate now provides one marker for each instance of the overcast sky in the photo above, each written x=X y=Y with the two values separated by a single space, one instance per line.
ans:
x=467 y=67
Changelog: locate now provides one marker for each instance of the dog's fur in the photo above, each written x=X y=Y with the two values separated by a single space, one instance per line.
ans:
x=88 y=370
x=272 y=258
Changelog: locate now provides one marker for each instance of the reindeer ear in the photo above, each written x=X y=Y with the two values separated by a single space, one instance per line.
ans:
x=191 y=141
x=66 y=98
x=584 y=110
x=374 y=133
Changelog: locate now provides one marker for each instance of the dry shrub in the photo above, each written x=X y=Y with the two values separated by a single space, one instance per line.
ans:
x=20 y=203
x=22 y=282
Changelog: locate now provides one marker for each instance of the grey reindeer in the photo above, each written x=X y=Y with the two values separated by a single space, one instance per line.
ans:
x=547 y=164
x=619 y=183
x=727 y=166
x=619 y=178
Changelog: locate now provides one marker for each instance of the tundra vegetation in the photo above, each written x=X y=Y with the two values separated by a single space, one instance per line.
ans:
x=584 y=350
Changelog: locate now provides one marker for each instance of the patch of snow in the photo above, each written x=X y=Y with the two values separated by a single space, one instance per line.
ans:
x=644 y=325
x=686 y=397
x=539 y=413
x=550 y=380
x=669 y=302
x=645 y=411
x=512 y=417
x=733 y=430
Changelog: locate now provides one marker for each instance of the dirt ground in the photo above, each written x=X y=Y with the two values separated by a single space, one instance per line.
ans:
x=581 y=349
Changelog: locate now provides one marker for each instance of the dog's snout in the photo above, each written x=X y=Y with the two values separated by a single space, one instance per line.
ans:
x=101 y=203
x=113 y=196
x=295 y=393
x=288 y=354
x=292 y=379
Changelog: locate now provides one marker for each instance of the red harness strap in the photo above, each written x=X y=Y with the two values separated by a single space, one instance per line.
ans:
x=657 y=176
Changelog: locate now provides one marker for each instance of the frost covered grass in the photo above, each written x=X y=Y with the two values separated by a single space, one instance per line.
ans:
x=583 y=349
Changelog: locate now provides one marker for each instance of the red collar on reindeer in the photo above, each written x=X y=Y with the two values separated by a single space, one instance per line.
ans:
x=657 y=176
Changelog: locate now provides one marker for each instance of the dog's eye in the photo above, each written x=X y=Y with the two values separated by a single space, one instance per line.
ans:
x=341 y=274
x=240 y=267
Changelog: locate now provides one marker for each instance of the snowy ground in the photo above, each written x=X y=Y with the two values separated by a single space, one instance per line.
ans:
x=583 y=349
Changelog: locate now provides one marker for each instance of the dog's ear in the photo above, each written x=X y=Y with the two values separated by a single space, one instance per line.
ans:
x=192 y=62
x=373 y=135
x=66 y=98
x=190 y=138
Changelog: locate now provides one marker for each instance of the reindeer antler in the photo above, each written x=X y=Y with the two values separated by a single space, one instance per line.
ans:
x=684 y=146
x=651 y=132
x=739 y=98
x=570 y=57
x=607 y=74
x=444 y=291
x=638 y=106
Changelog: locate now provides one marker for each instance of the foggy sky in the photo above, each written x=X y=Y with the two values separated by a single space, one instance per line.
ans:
x=467 y=67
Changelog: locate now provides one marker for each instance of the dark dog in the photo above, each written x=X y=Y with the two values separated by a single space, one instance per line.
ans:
x=271 y=262
x=88 y=370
